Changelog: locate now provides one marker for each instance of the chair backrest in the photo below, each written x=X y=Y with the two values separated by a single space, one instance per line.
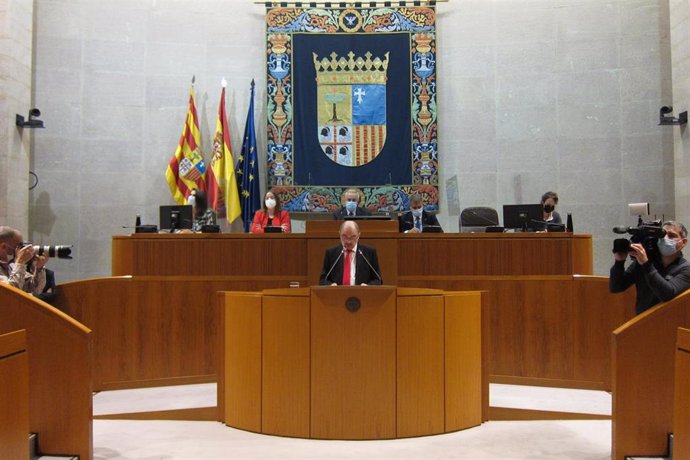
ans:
x=479 y=216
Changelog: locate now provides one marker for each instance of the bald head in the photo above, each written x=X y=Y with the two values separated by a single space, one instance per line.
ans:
x=349 y=234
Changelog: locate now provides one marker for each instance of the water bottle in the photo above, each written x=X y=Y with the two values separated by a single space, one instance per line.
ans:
x=569 y=223
x=138 y=221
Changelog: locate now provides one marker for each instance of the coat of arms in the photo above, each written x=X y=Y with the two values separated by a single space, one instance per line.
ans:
x=351 y=95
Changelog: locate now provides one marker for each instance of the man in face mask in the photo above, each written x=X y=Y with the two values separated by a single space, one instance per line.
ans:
x=415 y=220
x=14 y=263
x=657 y=277
x=351 y=207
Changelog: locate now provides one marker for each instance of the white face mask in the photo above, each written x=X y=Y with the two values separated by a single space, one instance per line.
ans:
x=191 y=200
x=666 y=247
x=270 y=203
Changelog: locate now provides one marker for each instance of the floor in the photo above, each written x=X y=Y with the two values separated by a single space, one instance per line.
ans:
x=171 y=440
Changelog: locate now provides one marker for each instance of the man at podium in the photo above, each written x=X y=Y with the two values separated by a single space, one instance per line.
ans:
x=350 y=263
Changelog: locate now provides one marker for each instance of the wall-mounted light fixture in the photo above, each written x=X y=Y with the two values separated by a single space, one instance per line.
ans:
x=671 y=120
x=33 y=121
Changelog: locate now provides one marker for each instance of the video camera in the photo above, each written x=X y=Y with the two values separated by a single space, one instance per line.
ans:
x=59 y=251
x=646 y=233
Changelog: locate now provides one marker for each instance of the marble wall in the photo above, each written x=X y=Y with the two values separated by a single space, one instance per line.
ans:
x=16 y=42
x=680 y=64
x=534 y=95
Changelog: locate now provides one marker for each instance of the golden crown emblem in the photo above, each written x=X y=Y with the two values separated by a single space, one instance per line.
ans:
x=351 y=70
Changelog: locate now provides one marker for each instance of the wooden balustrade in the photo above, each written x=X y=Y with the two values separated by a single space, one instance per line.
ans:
x=643 y=359
x=60 y=405
x=681 y=396
x=14 y=397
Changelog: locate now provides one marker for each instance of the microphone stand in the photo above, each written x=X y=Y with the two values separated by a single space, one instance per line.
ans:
x=334 y=264
x=370 y=266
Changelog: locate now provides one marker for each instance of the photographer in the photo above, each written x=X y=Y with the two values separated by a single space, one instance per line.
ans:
x=20 y=266
x=659 y=274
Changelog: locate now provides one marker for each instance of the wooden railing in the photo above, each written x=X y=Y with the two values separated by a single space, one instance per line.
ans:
x=14 y=397
x=60 y=397
x=681 y=400
x=643 y=360
x=544 y=330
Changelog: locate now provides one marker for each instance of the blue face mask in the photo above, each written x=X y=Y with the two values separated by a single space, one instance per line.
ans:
x=351 y=206
x=417 y=212
x=666 y=247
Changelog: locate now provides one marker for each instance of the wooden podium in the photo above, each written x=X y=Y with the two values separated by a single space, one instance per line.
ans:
x=355 y=362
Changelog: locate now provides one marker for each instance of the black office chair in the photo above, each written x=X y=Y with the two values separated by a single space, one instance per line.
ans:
x=477 y=218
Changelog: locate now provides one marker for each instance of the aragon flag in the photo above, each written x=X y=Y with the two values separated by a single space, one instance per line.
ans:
x=220 y=181
x=187 y=170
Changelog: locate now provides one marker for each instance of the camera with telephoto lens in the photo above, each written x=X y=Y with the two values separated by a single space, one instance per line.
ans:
x=646 y=233
x=60 y=251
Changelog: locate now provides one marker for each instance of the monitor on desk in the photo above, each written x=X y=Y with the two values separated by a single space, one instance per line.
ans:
x=175 y=217
x=524 y=217
x=371 y=217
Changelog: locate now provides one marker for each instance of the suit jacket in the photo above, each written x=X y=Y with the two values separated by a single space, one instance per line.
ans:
x=333 y=261
x=406 y=221
x=261 y=221
x=341 y=213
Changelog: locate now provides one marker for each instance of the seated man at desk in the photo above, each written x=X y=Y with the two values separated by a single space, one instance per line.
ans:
x=416 y=218
x=351 y=207
x=659 y=276
x=350 y=263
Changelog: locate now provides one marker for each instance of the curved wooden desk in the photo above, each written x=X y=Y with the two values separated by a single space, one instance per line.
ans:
x=297 y=362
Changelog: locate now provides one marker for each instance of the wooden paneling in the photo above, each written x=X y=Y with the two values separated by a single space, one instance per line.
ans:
x=414 y=363
x=551 y=330
x=152 y=330
x=283 y=254
x=489 y=254
x=681 y=400
x=643 y=378
x=420 y=365
x=596 y=315
x=60 y=396
x=242 y=350
x=14 y=397
x=286 y=364
x=355 y=350
x=197 y=254
x=365 y=226
x=463 y=362
x=539 y=301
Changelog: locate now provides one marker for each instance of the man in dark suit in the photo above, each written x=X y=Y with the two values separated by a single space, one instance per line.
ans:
x=417 y=218
x=351 y=206
x=350 y=263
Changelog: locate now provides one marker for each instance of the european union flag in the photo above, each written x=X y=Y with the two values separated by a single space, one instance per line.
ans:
x=248 y=170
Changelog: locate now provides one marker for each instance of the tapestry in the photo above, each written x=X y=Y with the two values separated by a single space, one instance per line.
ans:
x=351 y=103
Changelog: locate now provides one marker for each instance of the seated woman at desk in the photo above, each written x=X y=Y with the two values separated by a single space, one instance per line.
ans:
x=270 y=215
x=549 y=200
x=203 y=215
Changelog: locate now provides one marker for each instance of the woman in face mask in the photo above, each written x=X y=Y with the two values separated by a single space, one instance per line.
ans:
x=549 y=200
x=200 y=210
x=270 y=215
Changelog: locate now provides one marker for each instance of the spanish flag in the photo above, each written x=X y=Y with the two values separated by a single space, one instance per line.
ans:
x=187 y=170
x=221 y=182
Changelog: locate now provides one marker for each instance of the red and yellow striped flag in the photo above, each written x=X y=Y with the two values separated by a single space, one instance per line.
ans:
x=187 y=170
x=222 y=184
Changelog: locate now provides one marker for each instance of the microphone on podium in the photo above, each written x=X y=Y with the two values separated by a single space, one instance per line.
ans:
x=334 y=264
x=370 y=266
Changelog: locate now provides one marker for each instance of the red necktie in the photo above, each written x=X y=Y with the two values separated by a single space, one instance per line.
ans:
x=346 y=268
